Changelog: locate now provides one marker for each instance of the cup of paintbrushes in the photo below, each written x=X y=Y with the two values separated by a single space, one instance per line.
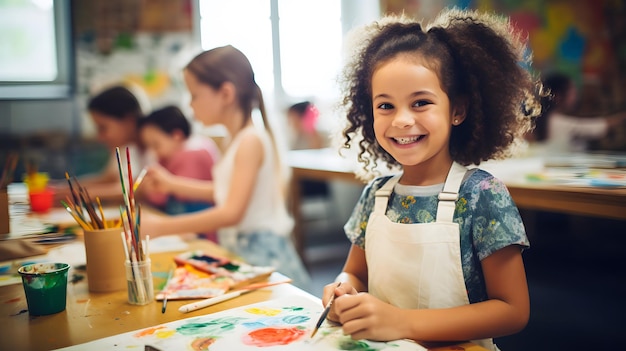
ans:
x=139 y=282
x=105 y=260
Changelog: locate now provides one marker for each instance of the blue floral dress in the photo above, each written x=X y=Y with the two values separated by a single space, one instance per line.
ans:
x=487 y=216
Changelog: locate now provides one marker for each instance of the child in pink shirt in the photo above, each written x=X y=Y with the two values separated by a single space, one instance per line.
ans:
x=166 y=133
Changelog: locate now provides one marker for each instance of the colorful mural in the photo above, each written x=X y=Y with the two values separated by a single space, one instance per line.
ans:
x=581 y=37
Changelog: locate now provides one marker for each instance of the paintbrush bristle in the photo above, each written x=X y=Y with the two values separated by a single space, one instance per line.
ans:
x=314 y=332
x=321 y=320
x=325 y=313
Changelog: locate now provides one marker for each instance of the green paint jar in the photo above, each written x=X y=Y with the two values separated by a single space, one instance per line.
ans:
x=45 y=286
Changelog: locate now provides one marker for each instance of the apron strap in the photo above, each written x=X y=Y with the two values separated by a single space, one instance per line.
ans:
x=382 y=194
x=450 y=193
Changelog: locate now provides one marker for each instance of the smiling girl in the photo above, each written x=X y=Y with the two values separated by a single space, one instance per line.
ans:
x=436 y=250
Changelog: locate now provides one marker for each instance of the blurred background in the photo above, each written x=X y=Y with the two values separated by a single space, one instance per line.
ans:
x=55 y=53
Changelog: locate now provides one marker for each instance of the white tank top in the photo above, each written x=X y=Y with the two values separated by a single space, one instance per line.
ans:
x=267 y=209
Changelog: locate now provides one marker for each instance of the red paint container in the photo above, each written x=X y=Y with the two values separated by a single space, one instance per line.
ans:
x=41 y=201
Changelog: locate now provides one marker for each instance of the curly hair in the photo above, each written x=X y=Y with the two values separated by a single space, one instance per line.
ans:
x=478 y=59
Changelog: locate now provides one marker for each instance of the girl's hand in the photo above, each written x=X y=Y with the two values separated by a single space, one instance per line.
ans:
x=365 y=317
x=331 y=290
x=158 y=180
x=152 y=223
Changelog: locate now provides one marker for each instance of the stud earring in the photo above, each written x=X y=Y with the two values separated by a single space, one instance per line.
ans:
x=456 y=121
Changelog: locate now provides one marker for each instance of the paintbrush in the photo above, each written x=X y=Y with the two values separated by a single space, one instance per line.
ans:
x=169 y=276
x=129 y=214
x=325 y=313
x=104 y=221
x=213 y=300
x=9 y=169
x=77 y=217
x=140 y=178
x=131 y=192
x=77 y=202
x=91 y=211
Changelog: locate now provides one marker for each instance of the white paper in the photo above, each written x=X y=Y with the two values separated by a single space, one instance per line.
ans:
x=280 y=324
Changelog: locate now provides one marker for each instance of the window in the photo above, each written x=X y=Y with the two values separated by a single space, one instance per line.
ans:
x=310 y=46
x=35 y=56
x=304 y=36
x=246 y=27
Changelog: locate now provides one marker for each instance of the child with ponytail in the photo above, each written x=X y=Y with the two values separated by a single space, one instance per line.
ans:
x=248 y=189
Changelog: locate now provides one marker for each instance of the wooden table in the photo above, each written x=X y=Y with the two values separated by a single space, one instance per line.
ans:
x=90 y=316
x=569 y=199
x=590 y=201
x=327 y=165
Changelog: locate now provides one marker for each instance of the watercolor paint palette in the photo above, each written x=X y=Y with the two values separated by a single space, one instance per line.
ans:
x=281 y=324
x=200 y=276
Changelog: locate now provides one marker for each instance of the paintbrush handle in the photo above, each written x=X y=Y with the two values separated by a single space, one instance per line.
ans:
x=323 y=317
x=213 y=300
x=140 y=178
x=325 y=313
x=209 y=302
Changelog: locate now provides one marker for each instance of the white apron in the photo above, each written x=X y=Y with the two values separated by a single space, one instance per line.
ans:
x=418 y=266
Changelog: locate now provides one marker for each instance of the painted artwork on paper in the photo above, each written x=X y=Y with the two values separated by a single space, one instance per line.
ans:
x=200 y=276
x=284 y=324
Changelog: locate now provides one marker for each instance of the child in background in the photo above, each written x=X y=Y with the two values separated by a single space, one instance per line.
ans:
x=438 y=247
x=248 y=186
x=559 y=129
x=167 y=134
x=302 y=118
x=116 y=111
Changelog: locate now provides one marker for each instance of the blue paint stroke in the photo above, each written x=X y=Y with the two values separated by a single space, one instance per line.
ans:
x=254 y=325
x=295 y=319
x=264 y=322
x=275 y=321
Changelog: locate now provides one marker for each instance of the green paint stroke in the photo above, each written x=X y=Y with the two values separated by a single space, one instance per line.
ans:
x=293 y=308
x=354 y=345
x=211 y=328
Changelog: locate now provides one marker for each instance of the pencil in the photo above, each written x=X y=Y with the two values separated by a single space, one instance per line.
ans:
x=325 y=313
